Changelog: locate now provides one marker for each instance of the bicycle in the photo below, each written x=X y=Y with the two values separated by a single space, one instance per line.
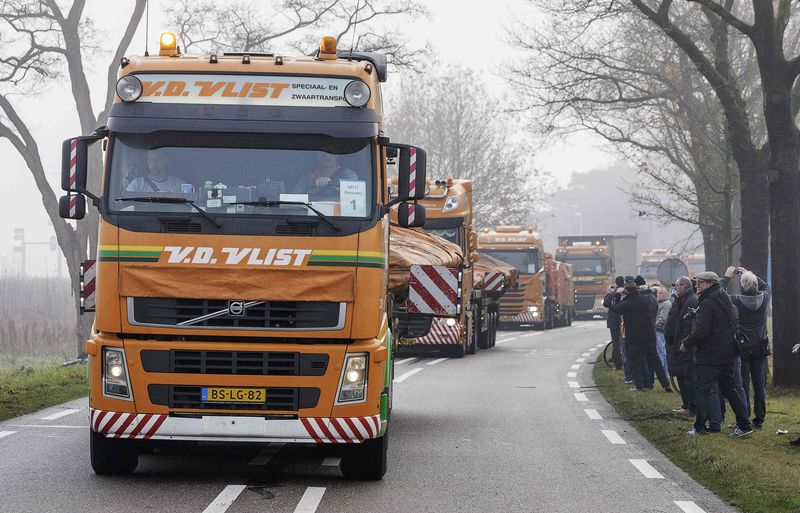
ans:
x=608 y=352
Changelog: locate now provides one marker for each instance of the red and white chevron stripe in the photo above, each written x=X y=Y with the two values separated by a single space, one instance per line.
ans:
x=442 y=334
x=522 y=318
x=88 y=276
x=493 y=281
x=140 y=426
x=433 y=289
x=73 y=165
x=342 y=430
x=412 y=167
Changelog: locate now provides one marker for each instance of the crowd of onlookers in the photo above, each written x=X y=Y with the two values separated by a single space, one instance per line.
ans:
x=713 y=343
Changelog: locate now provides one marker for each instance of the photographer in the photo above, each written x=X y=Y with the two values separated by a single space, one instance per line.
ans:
x=712 y=338
x=613 y=323
x=752 y=306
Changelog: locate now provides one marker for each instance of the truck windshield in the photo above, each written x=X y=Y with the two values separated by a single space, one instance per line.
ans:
x=526 y=261
x=586 y=266
x=220 y=173
x=450 y=234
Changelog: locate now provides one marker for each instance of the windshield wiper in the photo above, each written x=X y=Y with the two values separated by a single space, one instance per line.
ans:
x=174 y=201
x=274 y=203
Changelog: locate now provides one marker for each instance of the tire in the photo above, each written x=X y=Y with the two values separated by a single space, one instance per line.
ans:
x=493 y=329
x=367 y=461
x=484 y=337
x=111 y=456
x=472 y=340
x=457 y=351
x=608 y=355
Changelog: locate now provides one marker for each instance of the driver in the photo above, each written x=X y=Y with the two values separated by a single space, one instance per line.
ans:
x=326 y=175
x=157 y=179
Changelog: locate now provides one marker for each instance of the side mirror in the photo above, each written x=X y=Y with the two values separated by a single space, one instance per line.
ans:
x=410 y=215
x=75 y=162
x=72 y=206
x=410 y=171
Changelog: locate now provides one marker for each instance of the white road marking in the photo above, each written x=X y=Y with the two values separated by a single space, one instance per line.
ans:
x=580 y=396
x=593 y=414
x=573 y=384
x=47 y=426
x=405 y=361
x=224 y=499
x=575 y=367
x=572 y=374
x=614 y=438
x=63 y=413
x=310 y=500
x=689 y=507
x=646 y=469
x=266 y=454
x=331 y=461
x=403 y=377
x=438 y=360
x=4 y=434
x=586 y=354
x=580 y=360
x=506 y=340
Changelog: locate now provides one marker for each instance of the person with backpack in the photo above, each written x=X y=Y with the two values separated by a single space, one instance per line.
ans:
x=752 y=306
x=713 y=338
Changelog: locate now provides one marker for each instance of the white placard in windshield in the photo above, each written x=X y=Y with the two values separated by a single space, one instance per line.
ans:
x=296 y=91
x=353 y=198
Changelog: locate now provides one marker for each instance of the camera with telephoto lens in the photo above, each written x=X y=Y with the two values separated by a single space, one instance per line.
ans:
x=690 y=313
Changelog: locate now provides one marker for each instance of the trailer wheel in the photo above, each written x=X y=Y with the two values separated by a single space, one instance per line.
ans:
x=472 y=341
x=485 y=337
x=111 y=456
x=367 y=461
x=492 y=329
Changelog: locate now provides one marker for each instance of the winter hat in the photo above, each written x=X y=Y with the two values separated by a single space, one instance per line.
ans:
x=707 y=276
x=619 y=281
x=639 y=281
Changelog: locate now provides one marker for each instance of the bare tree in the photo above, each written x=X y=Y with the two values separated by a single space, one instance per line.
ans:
x=450 y=112
x=42 y=42
x=253 y=27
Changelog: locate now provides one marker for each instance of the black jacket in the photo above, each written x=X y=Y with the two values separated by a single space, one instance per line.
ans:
x=752 y=309
x=613 y=320
x=676 y=329
x=638 y=311
x=712 y=335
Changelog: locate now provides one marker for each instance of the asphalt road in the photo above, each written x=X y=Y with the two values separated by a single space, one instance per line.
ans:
x=509 y=430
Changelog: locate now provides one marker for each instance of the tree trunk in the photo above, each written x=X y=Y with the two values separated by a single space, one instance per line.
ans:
x=755 y=217
x=713 y=247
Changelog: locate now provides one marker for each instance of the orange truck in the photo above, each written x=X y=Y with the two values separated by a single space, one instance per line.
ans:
x=241 y=279
x=449 y=215
x=538 y=299
x=595 y=260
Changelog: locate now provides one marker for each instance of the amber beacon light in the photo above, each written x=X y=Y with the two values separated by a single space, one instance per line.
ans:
x=327 y=47
x=169 y=44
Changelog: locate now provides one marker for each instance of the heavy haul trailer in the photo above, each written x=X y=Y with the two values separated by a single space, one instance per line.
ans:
x=595 y=260
x=537 y=299
x=241 y=282
x=448 y=208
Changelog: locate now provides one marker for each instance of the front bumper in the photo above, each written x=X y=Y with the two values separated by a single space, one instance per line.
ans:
x=522 y=318
x=441 y=334
x=240 y=428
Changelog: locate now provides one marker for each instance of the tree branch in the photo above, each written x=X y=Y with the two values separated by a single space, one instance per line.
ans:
x=726 y=15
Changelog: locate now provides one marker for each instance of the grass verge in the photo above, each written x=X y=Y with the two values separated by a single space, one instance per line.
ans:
x=758 y=474
x=26 y=390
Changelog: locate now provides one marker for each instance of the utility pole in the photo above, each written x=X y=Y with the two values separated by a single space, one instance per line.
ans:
x=22 y=249
x=19 y=235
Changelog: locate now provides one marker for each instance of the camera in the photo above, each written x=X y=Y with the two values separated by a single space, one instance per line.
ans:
x=690 y=313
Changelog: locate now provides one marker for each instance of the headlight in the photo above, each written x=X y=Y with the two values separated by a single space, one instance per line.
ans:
x=450 y=204
x=356 y=93
x=450 y=321
x=115 y=375
x=353 y=385
x=129 y=88
x=533 y=309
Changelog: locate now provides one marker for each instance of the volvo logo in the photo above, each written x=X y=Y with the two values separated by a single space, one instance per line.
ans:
x=236 y=308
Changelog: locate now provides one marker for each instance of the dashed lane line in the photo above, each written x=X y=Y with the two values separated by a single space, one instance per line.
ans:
x=580 y=360
x=436 y=361
x=405 y=376
x=593 y=414
x=689 y=507
x=224 y=499
x=331 y=461
x=646 y=469
x=575 y=366
x=405 y=361
x=506 y=340
x=266 y=454
x=580 y=396
x=47 y=426
x=586 y=354
x=572 y=374
x=4 y=434
x=614 y=438
x=310 y=500
x=63 y=413
x=573 y=384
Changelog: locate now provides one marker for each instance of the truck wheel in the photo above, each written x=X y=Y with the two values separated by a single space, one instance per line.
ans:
x=472 y=341
x=491 y=333
x=367 y=461
x=458 y=351
x=484 y=337
x=111 y=456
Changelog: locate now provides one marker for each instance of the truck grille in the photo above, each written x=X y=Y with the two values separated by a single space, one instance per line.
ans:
x=584 y=301
x=513 y=301
x=254 y=315
x=234 y=362
x=190 y=397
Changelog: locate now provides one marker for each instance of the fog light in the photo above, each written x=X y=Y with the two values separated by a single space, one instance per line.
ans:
x=353 y=385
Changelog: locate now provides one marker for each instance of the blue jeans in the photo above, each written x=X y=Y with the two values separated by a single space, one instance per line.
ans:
x=754 y=369
x=661 y=347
